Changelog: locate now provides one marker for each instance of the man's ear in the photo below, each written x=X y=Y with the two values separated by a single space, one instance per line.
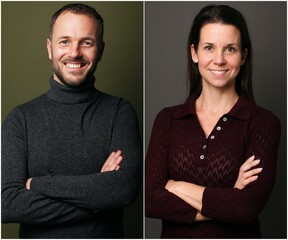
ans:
x=101 y=50
x=49 y=48
x=194 y=54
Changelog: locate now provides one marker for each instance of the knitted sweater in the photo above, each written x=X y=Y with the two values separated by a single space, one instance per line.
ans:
x=180 y=151
x=62 y=139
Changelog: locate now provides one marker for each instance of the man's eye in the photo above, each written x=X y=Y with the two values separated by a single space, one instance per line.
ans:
x=64 y=42
x=86 y=43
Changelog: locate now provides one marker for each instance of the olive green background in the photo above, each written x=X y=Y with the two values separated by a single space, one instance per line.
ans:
x=26 y=68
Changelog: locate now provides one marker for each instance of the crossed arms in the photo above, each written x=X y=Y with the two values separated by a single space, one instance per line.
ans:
x=193 y=194
x=186 y=202
x=60 y=199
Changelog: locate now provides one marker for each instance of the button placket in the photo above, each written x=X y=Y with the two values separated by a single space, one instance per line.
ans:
x=203 y=151
x=219 y=127
x=216 y=131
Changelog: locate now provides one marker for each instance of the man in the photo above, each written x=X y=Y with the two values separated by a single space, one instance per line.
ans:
x=71 y=158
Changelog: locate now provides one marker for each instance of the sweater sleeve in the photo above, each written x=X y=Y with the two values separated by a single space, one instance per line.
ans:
x=20 y=205
x=107 y=190
x=234 y=205
x=160 y=203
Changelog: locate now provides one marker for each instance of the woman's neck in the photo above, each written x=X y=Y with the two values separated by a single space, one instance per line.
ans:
x=217 y=102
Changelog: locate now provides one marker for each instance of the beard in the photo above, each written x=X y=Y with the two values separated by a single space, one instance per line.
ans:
x=71 y=79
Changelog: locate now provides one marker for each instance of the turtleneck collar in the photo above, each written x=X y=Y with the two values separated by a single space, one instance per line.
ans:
x=72 y=95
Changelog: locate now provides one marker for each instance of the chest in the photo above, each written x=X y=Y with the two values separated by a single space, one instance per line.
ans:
x=68 y=141
x=211 y=159
x=208 y=121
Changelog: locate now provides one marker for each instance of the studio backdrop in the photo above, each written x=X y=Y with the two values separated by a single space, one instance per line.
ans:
x=26 y=68
x=167 y=26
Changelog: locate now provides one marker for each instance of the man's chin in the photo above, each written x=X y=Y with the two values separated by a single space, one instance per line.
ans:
x=74 y=81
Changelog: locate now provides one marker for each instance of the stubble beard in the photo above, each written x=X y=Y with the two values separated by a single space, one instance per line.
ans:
x=77 y=79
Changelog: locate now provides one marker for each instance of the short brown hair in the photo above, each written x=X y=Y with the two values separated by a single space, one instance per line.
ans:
x=78 y=8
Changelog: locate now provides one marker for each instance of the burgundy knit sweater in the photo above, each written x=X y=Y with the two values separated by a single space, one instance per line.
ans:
x=179 y=150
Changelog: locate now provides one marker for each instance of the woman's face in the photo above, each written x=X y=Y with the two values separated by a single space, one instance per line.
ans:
x=219 y=55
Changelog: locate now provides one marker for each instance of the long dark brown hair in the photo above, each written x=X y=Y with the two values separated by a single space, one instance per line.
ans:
x=226 y=15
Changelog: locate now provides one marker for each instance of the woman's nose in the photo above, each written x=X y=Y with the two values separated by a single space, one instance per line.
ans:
x=219 y=58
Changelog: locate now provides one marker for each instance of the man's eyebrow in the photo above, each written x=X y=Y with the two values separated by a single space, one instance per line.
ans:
x=82 y=38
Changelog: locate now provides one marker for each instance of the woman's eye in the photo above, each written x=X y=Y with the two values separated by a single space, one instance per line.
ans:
x=208 y=48
x=230 y=49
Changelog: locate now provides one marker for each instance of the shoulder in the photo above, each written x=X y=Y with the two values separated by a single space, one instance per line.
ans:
x=32 y=105
x=112 y=101
x=264 y=120
x=263 y=116
x=23 y=109
x=170 y=112
x=166 y=115
x=116 y=105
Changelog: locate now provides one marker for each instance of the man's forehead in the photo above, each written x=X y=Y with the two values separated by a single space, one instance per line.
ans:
x=70 y=23
x=67 y=15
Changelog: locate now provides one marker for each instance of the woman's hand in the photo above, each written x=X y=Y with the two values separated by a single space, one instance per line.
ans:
x=247 y=173
x=113 y=162
x=199 y=217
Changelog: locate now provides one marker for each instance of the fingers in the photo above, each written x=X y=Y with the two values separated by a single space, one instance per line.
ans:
x=249 y=180
x=28 y=183
x=252 y=172
x=113 y=162
x=249 y=163
x=251 y=176
x=248 y=173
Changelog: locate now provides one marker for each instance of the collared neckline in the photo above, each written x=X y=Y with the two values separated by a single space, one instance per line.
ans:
x=241 y=110
x=72 y=95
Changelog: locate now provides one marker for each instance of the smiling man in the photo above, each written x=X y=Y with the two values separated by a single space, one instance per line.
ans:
x=75 y=47
x=71 y=158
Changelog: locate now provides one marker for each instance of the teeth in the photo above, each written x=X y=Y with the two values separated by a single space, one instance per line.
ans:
x=73 y=65
x=218 y=71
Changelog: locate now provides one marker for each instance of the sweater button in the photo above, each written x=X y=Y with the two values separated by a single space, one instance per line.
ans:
x=212 y=137
x=204 y=146
x=218 y=128
x=224 y=119
x=202 y=157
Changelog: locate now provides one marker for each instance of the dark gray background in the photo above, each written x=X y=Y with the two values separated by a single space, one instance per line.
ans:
x=167 y=26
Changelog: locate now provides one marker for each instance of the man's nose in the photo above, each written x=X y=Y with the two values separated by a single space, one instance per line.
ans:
x=75 y=51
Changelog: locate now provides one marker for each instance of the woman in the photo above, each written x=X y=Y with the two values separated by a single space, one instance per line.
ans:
x=197 y=179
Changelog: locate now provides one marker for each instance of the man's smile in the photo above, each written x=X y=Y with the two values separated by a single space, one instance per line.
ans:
x=74 y=65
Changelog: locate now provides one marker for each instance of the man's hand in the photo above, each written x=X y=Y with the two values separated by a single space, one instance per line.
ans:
x=247 y=173
x=113 y=162
x=28 y=182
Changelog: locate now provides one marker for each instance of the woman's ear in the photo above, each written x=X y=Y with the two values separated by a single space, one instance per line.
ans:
x=244 y=56
x=194 y=54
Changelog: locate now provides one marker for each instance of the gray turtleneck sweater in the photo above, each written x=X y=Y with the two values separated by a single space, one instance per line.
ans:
x=62 y=139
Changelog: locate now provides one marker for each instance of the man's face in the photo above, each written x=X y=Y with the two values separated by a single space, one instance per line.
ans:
x=75 y=48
